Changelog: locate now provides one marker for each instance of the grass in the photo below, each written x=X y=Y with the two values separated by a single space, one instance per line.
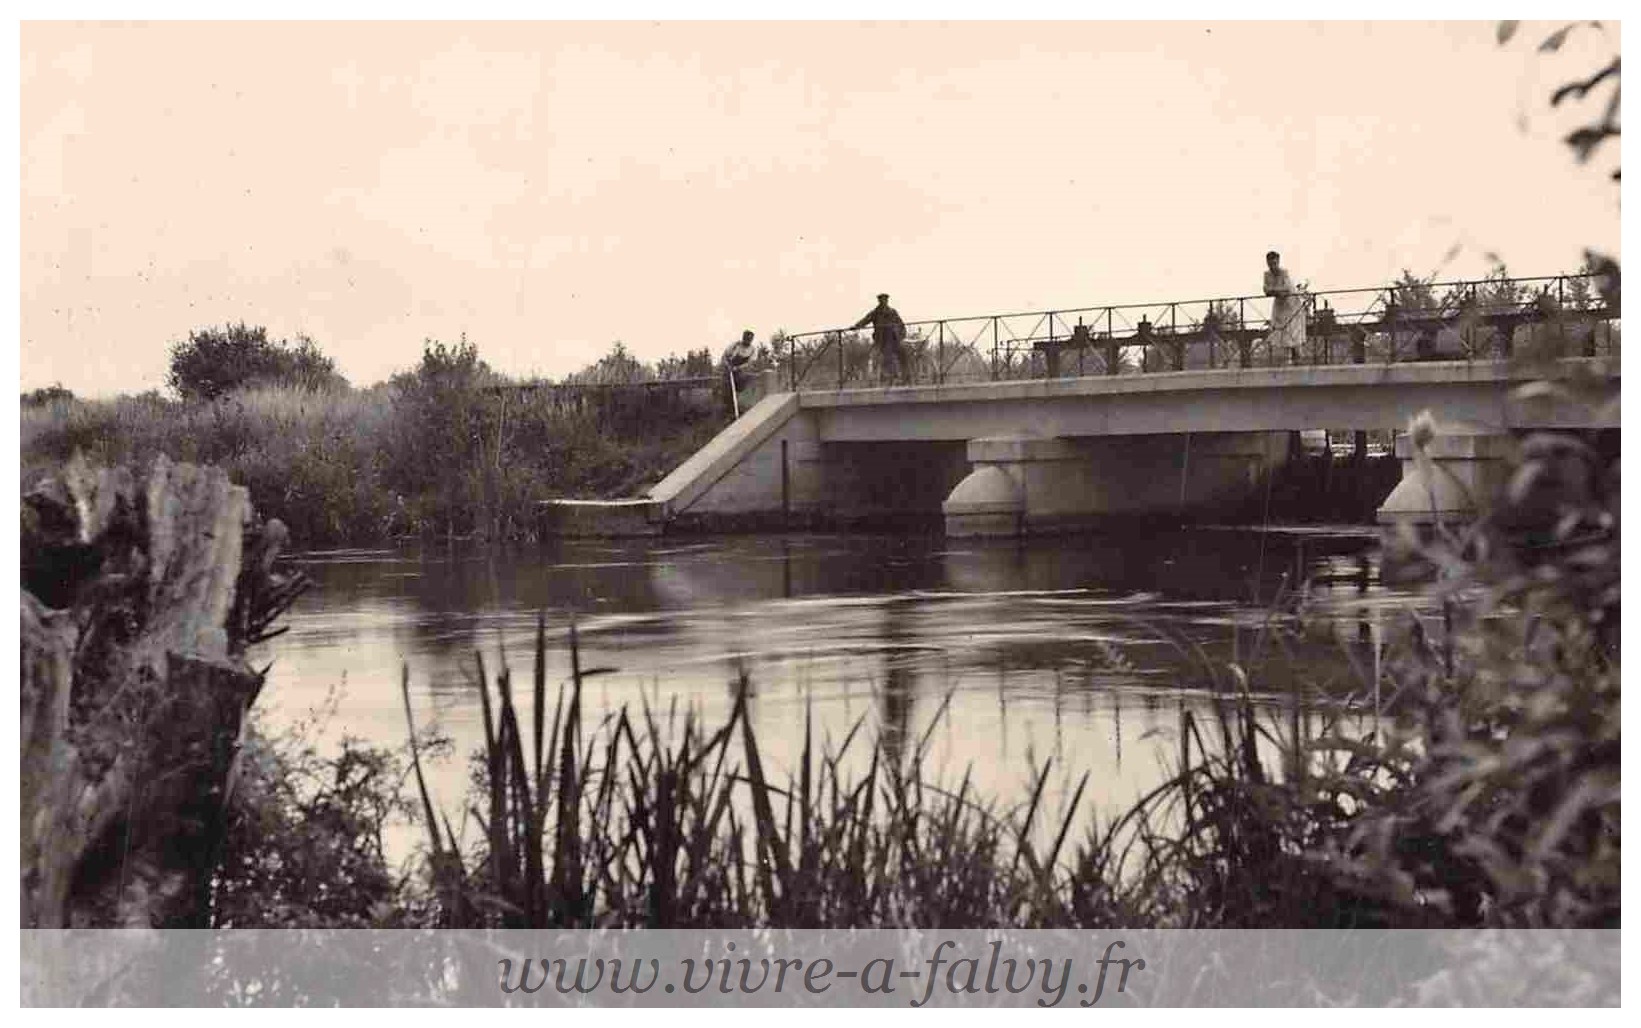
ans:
x=388 y=463
x=1488 y=797
x=1325 y=821
x=649 y=822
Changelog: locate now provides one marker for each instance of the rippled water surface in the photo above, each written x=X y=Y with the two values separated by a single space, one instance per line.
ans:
x=1083 y=649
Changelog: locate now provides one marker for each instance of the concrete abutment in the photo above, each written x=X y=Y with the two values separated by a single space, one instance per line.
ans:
x=1026 y=485
x=1458 y=469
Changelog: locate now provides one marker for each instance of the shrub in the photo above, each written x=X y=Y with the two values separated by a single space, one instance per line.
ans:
x=616 y=367
x=304 y=847
x=50 y=394
x=694 y=364
x=1508 y=744
x=436 y=453
x=213 y=362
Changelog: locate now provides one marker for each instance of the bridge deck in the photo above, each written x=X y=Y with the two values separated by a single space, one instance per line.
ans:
x=1483 y=394
x=1395 y=324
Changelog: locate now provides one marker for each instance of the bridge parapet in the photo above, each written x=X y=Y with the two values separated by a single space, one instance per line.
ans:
x=1470 y=320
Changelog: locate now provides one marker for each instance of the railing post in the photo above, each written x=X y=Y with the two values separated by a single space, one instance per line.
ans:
x=1243 y=343
x=840 y=360
x=994 y=345
x=1112 y=358
x=1056 y=372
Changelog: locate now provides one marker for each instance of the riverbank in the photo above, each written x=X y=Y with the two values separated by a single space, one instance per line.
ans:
x=638 y=814
x=389 y=463
x=404 y=461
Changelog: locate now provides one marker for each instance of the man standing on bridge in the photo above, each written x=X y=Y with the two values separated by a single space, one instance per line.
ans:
x=888 y=335
x=736 y=357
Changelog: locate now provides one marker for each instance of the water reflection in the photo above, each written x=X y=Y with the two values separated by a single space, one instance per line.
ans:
x=898 y=678
x=1085 y=648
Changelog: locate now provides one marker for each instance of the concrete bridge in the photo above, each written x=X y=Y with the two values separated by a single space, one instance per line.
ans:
x=1006 y=458
x=1039 y=446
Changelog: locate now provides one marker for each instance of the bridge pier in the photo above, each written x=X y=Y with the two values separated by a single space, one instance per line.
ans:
x=1463 y=468
x=1035 y=485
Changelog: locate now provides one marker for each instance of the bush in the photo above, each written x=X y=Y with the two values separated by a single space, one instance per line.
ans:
x=1490 y=796
x=616 y=367
x=214 y=362
x=1508 y=745
x=305 y=841
x=437 y=454
x=694 y=364
x=48 y=395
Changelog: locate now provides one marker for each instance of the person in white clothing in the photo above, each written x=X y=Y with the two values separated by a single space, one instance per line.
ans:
x=1287 y=335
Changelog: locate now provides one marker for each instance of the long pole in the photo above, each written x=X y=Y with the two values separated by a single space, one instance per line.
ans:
x=734 y=395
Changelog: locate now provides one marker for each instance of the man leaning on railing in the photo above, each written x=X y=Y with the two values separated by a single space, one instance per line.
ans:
x=1287 y=335
x=889 y=336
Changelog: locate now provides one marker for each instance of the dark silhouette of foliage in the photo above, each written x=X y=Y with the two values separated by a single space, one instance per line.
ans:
x=213 y=362
x=618 y=366
x=48 y=394
x=694 y=364
x=1586 y=139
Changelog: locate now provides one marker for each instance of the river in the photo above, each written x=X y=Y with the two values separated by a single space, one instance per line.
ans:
x=1082 y=649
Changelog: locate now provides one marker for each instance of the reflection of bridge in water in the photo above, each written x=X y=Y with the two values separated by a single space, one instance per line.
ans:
x=1133 y=623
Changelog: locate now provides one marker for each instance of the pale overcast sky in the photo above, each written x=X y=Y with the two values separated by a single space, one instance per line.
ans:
x=551 y=188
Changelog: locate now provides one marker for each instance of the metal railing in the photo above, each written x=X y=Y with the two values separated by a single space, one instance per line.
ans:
x=1462 y=320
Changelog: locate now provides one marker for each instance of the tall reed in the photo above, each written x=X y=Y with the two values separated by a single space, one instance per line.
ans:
x=1287 y=813
x=651 y=820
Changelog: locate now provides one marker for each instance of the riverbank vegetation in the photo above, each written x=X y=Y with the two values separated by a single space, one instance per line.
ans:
x=1487 y=793
x=448 y=449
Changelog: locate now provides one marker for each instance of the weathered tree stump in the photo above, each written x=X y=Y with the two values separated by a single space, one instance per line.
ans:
x=137 y=606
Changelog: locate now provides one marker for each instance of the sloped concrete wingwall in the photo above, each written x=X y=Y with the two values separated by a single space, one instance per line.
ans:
x=771 y=464
x=754 y=484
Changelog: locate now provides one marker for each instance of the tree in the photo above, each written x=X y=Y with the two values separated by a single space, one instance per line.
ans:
x=617 y=367
x=449 y=456
x=213 y=362
x=693 y=364
x=49 y=394
x=1586 y=139
x=1410 y=292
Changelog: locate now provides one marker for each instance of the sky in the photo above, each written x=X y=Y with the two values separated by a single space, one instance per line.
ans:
x=551 y=188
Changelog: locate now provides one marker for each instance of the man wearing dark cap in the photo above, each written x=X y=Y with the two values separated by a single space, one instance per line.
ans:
x=888 y=335
x=736 y=356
